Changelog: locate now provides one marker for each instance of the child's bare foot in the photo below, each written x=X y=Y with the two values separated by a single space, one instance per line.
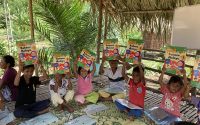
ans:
x=61 y=107
x=43 y=111
x=69 y=109
x=131 y=118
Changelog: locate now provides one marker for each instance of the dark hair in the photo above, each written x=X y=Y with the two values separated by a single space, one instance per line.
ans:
x=9 y=59
x=184 y=123
x=176 y=79
x=28 y=66
x=137 y=69
x=79 y=70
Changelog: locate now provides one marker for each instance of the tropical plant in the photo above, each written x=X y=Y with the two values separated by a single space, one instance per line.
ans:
x=2 y=48
x=66 y=25
x=45 y=55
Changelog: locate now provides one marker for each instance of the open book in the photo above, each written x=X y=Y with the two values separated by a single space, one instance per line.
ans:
x=94 y=108
x=126 y=103
x=82 y=120
x=44 y=119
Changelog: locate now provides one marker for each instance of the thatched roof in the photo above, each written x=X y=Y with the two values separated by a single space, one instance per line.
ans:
x=150 y=15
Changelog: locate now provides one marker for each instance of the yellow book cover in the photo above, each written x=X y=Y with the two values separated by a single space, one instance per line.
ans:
x=86 y=59
x=111 y=48
x=61 y=62
x=175 y=59
x=27 y=51
x=134 y=50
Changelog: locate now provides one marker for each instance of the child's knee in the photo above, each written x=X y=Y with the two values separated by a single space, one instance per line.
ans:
x=56 y=99
x=135 y=112
x=118 y=96
x=80 y=98
x=69 y=95
x=103 y=94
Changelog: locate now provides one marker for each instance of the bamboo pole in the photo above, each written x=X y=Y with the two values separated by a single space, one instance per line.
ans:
x=106 y=24
x=99 y=30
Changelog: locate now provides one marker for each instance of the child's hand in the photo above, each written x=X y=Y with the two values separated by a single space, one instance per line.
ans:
x=40 y=65
x=140 y=60
x=164 y=68
x=119 y=58
x=183 y=72
x=94 y=64
x=103 y=58
x=21 y=65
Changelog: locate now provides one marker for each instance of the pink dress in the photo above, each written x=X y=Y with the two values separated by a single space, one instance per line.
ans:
x=171 y=101
x=84 y=87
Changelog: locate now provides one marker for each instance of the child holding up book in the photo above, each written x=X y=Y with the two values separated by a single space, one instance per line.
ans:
x=173 y=92
x=115 y=76
x=137 y=90
x=61 y=91
x=26 y=105
x=84 y=88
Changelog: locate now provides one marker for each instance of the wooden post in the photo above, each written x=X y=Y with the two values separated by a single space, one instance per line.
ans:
x=106 y=24
x=31 y=19
x=99 y=30
x=32 y=28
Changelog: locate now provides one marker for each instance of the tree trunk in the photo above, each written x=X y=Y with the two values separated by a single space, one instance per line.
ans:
x=99 y=30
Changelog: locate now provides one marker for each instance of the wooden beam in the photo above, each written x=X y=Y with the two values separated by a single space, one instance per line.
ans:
x=147 y=11
x=99 y=29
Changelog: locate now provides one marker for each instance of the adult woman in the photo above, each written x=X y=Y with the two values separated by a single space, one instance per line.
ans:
x=9 y=91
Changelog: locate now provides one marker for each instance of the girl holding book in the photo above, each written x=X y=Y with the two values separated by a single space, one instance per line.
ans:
x=84 y=88
x=173 y=92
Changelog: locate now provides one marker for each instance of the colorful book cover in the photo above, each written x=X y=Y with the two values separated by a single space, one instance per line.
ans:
x=61 y=62
x=134 y=50
x=175 y=59
x=86 y=59
x=27 y=51
x=111 y=48
x=196 y=73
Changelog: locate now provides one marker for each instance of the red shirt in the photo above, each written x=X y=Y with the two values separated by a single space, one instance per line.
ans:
x=137 y=93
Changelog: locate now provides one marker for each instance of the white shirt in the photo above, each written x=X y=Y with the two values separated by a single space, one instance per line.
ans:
x=118 y=74
x=63 y=89
x=108 y=72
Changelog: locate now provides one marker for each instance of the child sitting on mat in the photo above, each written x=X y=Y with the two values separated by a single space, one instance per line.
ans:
x=26 y=105
x=173 y=92
x=59 y=93
x=137 y=91
x=84 y=88
x=116 y=79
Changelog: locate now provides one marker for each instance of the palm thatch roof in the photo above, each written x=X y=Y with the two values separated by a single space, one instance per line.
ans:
x=148 y=15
